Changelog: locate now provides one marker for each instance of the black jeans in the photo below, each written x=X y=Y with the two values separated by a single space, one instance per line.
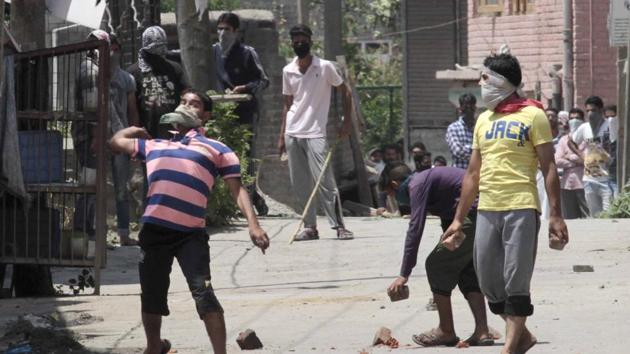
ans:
x=159 y=245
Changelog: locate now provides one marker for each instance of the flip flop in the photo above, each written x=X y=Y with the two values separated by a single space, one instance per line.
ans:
x=166 y=346
x=429 y=339
x=486 y=342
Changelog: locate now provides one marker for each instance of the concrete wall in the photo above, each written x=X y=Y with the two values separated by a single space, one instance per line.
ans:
x=427 y=109
x=536 y=39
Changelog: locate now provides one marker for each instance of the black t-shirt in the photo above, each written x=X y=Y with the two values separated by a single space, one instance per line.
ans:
x=158 y=92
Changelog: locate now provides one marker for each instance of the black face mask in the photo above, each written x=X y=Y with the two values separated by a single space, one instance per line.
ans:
x=301 y=49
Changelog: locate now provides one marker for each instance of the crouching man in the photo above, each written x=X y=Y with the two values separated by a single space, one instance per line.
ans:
x=181 y=173
x=436 y=191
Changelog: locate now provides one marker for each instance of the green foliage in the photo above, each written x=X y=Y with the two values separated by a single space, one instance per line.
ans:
x=224 y=128
x=380 y=106
x=228 y=5
x=370 y=16
x=167 y=5
x=83 y=281
x=620 y=207
x=382 y=112
x=380 y=94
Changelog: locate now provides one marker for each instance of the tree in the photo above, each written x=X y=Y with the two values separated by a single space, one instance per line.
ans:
x=381 y=107
x=193 y=31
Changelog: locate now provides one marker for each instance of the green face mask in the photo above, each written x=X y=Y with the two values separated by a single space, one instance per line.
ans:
x=402 y=193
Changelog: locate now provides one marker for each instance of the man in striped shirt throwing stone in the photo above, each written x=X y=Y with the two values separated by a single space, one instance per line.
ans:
x=181 y=173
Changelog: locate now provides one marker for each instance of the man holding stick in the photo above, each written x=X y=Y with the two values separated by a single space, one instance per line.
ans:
x=306 y=86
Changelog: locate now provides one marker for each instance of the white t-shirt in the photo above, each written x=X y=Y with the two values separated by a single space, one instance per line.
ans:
x=613 y=123
x=596 y=159
x=308 y=114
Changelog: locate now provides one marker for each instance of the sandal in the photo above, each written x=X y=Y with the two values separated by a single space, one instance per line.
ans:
x=430 y=339
x=308 y=234
x=344 y=234
x=485 y=342
x=166 y=346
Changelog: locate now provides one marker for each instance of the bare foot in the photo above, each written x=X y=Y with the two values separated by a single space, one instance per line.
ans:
x=526 y=342
x=494 y=333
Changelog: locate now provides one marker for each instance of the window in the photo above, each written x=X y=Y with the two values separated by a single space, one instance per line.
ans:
x=489 y=6
x=521 y=7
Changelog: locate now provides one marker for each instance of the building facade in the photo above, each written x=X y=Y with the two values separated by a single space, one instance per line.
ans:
x=533 y=29
x=439 y=34
x=434 y=39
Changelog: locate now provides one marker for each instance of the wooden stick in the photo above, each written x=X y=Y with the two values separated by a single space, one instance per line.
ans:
x=310 y=199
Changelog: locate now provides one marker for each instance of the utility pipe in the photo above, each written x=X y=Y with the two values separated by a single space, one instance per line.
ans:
x=567 y=66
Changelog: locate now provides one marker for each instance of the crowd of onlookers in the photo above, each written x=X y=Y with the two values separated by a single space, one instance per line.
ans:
x=585 y=152
x=585 y=142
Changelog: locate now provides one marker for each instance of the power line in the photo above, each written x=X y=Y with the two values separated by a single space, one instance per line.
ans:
x=417 y=29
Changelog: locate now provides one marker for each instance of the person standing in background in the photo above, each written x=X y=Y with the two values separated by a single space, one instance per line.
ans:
x=594 y=138
x=459 y=134
x=239 y=71
x=307 y=82
x=613 y=122
x=570 y=159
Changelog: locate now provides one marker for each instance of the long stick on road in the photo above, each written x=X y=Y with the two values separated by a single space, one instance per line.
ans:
x=310 y=199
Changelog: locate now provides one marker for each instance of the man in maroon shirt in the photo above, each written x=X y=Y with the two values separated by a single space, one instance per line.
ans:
x=436 y=191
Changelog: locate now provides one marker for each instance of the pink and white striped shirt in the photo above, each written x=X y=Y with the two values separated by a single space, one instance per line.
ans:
x=181 y=174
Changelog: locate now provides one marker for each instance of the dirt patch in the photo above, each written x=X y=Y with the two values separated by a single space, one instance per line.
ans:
x=46 y=334
x=42 y=340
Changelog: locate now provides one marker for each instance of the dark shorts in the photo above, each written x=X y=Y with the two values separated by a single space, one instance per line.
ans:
x=159 y=245
x=447 y=269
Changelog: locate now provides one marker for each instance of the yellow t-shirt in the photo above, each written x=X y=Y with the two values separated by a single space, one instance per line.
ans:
x=508 y=157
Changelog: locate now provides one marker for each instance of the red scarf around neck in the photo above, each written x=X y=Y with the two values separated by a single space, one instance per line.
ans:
x=515 y=103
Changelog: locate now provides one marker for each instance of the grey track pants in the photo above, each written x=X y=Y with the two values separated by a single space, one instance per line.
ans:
x=504 y=255
x=306 y=159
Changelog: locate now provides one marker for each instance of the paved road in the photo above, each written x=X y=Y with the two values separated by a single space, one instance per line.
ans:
x=329 y=295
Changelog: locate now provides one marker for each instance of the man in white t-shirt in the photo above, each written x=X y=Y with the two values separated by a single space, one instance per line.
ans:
x=610 y=112
x=306 y=86
x=593 y=137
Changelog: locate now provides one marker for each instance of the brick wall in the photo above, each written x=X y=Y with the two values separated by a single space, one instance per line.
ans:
x=596 y=76
x=428 y=110
x=536 y=39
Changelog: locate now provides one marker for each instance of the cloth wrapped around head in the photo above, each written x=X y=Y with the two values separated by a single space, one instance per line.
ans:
x=495 y=88
x=182 y=117
x=501 y=96
x=100 y=34
x=153 y=43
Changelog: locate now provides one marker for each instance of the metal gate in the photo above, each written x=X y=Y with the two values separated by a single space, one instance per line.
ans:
x=62 y=104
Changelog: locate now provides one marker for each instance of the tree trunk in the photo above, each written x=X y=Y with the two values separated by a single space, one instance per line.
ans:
x=195 y=46
x=332 y=29
x=28 y=25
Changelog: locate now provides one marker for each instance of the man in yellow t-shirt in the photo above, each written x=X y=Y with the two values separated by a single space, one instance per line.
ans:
x=509 y=140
